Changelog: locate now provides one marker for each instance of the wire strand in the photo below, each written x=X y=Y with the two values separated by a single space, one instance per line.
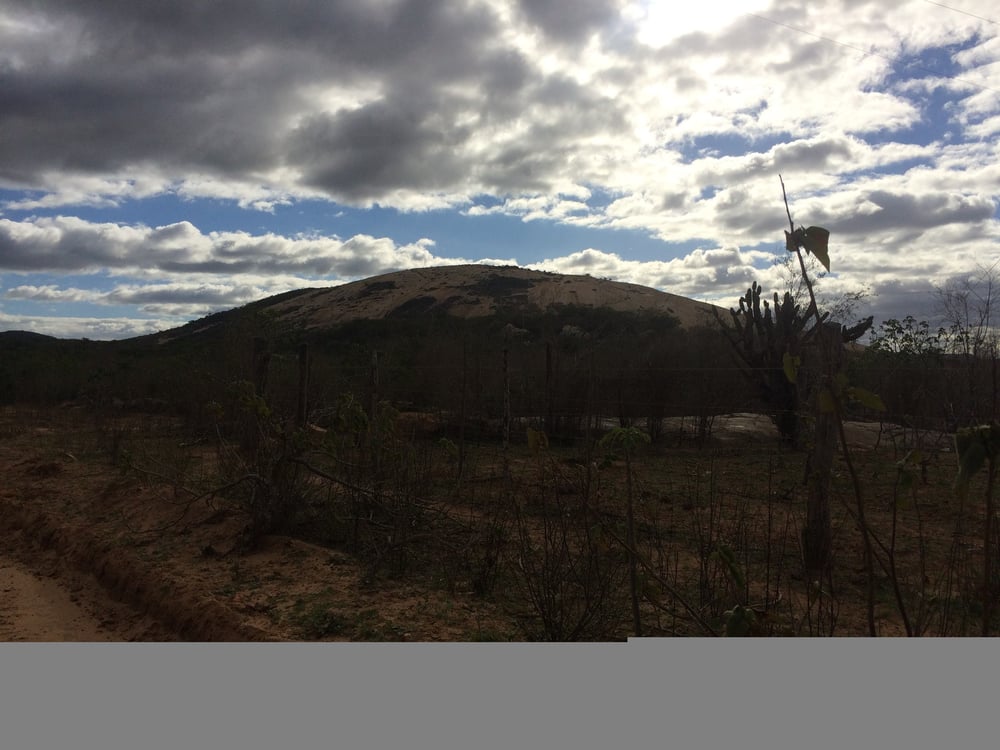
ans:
x=963 y=12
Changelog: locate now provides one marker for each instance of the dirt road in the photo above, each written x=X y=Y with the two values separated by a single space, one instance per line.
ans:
x=39 y=604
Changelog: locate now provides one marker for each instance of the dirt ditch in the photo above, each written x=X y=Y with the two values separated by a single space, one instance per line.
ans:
x=43 y=542
x=83 y=542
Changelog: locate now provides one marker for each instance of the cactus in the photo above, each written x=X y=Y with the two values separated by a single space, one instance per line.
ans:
x=762 y=337
x=766 y=337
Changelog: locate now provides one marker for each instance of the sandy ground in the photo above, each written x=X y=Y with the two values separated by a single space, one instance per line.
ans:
x=87 y=553
x=39 y=604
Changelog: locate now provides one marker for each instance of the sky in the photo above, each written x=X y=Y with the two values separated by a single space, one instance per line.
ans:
x=160 y=161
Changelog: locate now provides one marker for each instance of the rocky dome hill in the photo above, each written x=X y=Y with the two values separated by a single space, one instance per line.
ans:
x=420 y=322
x=464 y=291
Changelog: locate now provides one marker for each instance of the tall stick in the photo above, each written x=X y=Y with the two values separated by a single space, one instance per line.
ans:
x=838 y=414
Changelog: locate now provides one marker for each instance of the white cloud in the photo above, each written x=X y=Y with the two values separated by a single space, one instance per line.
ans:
x=70 y=244
x=659 y=23
x=72 y=327
x=700 y=274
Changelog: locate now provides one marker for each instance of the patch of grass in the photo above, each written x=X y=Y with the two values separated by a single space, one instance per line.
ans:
x=319 y=615
x=296 y=553
x=240 y=582
x=491 y=635
x=317 y=620
x=368 y=626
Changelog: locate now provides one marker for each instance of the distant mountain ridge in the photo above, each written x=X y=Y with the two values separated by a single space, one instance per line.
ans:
x=26 y=338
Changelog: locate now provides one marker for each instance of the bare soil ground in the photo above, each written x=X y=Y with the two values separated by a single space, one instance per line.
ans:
x=92 y=554
x=41 y=602
x=94 y=549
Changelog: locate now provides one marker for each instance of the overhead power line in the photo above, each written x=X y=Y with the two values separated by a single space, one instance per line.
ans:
x=963 y=12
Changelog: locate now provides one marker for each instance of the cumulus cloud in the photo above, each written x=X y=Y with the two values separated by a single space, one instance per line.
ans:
x=75 y=327
x=569 y=20
x=176 y=272
x=177 y=300
x=70 y=244
x=388 y=102
x=703 y=273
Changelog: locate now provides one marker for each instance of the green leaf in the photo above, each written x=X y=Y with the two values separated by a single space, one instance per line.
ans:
x=866 y=398
x=791 y=364
x=816 y=240
x=623 y=437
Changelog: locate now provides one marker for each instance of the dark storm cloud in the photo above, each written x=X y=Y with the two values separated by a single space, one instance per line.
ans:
x=812 y=155
x=547 y=148
x=912 y=213
x=62 y=245
x=214 y=88
x=154 y=294
x=902 y=216
x=523 y=166
x=178 y=295
x=569 y=20
x=409 y=139
x=247 y=94
x=807 y=156
x=381 y=34
x=66 y=244
x=505 y=74
x=100 y=119
x=364 y=152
